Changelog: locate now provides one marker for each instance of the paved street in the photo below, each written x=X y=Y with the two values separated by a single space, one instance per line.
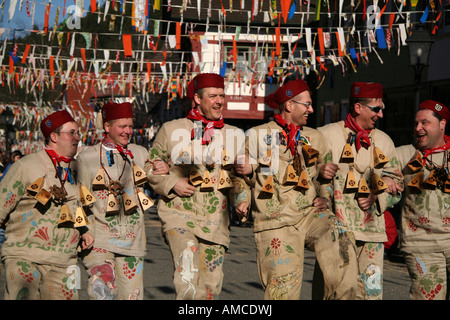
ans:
x=241 y=278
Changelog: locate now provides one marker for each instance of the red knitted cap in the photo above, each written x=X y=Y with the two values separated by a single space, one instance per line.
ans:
x=113 y=111
x=286 y=92
x=204 y=80
x=367 y=90
x=54 y=121
x=437 y=107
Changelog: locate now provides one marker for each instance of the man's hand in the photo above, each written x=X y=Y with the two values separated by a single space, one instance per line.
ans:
x=242 y=211
x=392 y=186
x=242 y=165
x=160 y=167
x=320 y=203
x=328 y=170
x=366 y=202
x=183 y=188
x=87 y=241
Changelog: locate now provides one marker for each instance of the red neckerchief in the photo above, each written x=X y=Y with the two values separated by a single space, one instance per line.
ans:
x=209 y=125
x=428 y=152
x=362 y=136
x=56 y=158
x=108 y=143
x=291 y=131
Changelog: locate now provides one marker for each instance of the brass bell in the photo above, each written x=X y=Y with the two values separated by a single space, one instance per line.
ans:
x=447 y=185
x=347 y=154
x=43 y=196
x=310 y=154
x=265 y=160
x=415 y=164
x=224 y=181
x=430 y=182
x=416 y=183
x=129 y=205
x=145 y=201
x=184 y=157
x=65 y=216
x=34 y=188
x=379 y=159
x=86 y=197
x=291 y=176
x=207 y=182
x=303 y=183
x=195 y=177
x=81 y=219
x=99 y=182
x=140 y=177
x=227 y=161
x=350 y=184
x=268 y=185
x=112 y=205
x=378 y=185
x=363 y=188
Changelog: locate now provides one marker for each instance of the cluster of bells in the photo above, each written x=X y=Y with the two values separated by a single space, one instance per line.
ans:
x=115 y=192
x=204 y=181
x=294 y=175
x=58 y=195
x=361 y=188
x=438 y=177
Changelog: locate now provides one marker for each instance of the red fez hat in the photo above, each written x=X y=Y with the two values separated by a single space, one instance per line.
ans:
x=367 y=90
x=437 y=107
x=286 y=92
x=204 y=80
x=113 y=111
x=54 y=121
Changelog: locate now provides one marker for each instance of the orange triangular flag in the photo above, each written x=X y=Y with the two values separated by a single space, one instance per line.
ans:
x=93 y=6
x=285 y=5
x=52 y=67
x=25 y=53
x=321 y=43
x=278 y=41
x=47 y=14
x=128 y=51
x=234 y=51
x=178 y=36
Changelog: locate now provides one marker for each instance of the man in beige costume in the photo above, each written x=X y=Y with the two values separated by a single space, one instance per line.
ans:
x=40 y=201
x=289 y=215
x=425 y=227
x=113 y=171
x=363 y=156
x=194 y=204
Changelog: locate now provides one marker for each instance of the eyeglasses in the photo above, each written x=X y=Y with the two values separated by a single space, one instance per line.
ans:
x=73 y=133
x=374 y=109
x=306 y=104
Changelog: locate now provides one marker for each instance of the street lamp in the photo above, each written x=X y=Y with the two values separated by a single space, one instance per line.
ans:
x=7 y=119
x=419 y=44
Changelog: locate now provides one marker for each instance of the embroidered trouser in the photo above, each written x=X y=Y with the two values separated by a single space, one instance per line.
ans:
x=280 y=257
x=113 y=276
x=198 y=265
x=429 y=273
x=27 y=280
x=370 y=261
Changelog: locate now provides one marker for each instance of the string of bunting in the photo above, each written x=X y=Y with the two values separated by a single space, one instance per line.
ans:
x=39 y=67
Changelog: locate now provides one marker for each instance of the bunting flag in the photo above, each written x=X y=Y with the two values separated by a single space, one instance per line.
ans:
x=82 y=67
x=285 y=6
x=178 y=36
x=321 y=41
x=47 y=16
x=127 y=46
